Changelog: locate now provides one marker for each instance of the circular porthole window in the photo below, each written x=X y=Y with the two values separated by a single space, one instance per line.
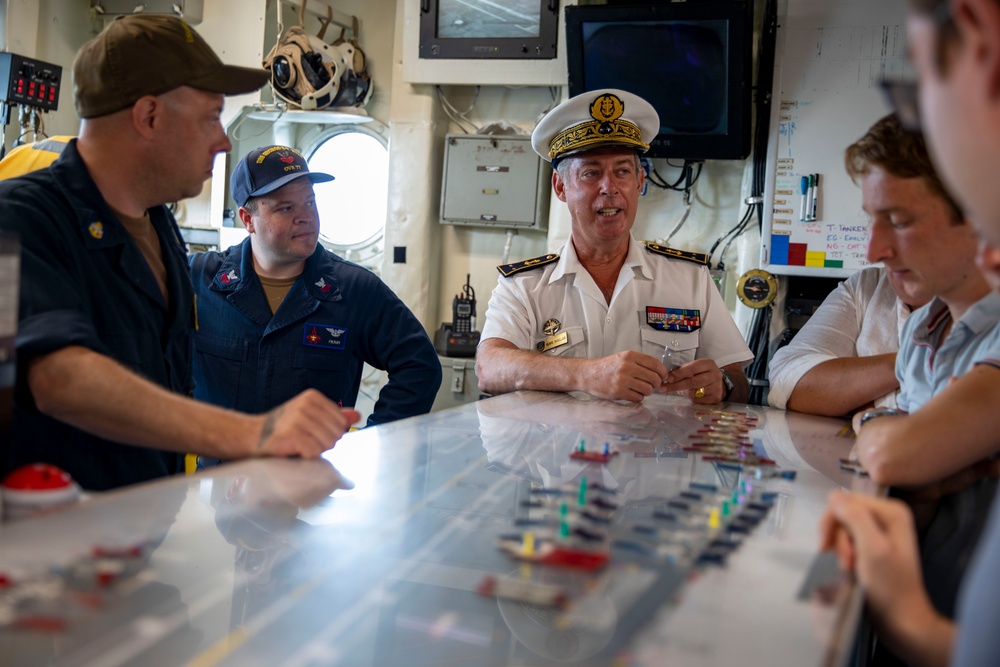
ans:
x=352 y=207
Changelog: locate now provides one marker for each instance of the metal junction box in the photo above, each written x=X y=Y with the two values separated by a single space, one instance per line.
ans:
x=191 y=11
x=494 y=181
x=459 y=384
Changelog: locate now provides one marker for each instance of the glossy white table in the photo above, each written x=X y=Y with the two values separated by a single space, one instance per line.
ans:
x=372 y=556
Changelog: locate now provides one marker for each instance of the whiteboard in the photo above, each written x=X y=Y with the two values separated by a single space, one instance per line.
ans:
x=829 y=58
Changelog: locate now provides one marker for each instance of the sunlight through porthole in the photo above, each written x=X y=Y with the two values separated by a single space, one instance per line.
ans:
x=352 y=207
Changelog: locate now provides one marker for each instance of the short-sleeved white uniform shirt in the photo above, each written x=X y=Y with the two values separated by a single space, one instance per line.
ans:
x=658 y=301
x=862 y=317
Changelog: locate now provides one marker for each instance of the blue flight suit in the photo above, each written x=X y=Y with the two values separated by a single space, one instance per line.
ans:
x=336 y=317
x=85 y=282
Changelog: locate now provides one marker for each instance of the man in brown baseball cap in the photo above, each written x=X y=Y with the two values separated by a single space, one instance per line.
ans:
x=150 y=55
x=106 y=309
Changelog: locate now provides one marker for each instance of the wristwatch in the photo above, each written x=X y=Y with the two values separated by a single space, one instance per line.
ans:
x=728 y=382
x=868 y=415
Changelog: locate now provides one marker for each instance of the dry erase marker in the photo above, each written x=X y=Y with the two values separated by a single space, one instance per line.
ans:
x=804 y=186
x=815 y=197
x=812 y=193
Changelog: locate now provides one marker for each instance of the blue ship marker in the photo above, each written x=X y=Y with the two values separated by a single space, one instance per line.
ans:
x=805 y=190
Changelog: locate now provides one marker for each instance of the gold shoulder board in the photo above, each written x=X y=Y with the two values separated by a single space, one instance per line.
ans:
x=507 y=270
x=696 y=257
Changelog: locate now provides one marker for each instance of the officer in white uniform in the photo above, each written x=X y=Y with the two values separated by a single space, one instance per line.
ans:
x=607 y=315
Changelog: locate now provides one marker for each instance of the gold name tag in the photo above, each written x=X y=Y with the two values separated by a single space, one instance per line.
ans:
x=553 y=341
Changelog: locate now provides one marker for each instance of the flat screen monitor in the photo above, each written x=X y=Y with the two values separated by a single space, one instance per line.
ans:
x=489 y=29
x=691 y=61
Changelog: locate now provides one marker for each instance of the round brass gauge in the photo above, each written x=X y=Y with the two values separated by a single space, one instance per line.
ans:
x=757 y=288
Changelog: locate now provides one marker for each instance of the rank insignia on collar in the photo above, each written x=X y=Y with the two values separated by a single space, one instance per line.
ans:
x=673 y=319
x=96 y=230
x=551 y=326
x=230 y=277
x=323 y=286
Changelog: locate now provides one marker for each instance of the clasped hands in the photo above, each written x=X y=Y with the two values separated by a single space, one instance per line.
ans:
x=632 y=376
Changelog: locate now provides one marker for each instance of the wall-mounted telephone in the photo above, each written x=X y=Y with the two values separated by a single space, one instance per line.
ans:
x=459 y=338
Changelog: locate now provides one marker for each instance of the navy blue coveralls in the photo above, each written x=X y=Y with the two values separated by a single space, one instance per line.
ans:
x=85 y=282
x=336 y=317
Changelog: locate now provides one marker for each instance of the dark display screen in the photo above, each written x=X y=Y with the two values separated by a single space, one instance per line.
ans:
x=683 y=73
x=691 y=61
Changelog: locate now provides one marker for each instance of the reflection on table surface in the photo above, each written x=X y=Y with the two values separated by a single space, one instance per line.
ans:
x=372 y=556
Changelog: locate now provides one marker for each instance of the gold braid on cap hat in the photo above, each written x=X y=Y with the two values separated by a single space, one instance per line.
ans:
x=606 y=128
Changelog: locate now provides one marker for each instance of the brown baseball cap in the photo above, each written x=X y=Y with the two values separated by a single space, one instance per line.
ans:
x=140 y=54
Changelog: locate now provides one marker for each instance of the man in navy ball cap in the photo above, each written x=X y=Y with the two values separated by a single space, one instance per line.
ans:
x=279 y=313
x=266 y=169
x=607 y=315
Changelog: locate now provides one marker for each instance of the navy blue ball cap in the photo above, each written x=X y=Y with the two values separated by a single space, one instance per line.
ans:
x=268 y=168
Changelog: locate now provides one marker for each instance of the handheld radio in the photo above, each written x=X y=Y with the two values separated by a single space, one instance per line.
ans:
x=459 y=338
x=463 y=309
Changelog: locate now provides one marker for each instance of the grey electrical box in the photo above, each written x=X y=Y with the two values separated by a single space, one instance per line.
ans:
x=459 y=384
x=191 y=11
x=494 y=181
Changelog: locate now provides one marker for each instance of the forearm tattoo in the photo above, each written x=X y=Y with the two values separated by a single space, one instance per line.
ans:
x=265 y=433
